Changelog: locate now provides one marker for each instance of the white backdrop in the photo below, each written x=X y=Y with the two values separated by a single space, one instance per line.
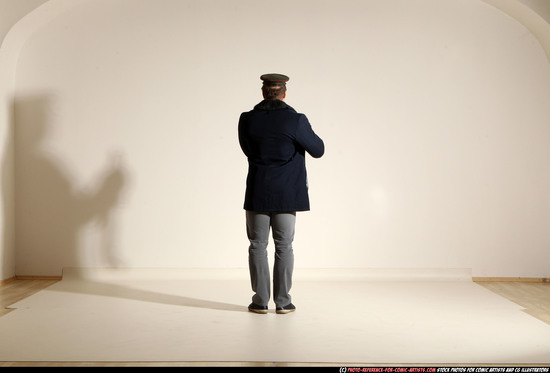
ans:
x=434 y=113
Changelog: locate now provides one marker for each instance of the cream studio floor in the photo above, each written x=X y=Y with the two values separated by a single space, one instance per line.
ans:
x=199 y=317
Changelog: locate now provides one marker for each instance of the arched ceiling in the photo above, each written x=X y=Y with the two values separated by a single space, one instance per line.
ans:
x=533 y=14
x=11 y=11
x=541 y=7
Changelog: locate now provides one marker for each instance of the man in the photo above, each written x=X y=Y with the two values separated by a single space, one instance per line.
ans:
x=275 y=138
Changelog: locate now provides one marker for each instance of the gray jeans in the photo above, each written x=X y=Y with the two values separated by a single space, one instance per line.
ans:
x=258 y=225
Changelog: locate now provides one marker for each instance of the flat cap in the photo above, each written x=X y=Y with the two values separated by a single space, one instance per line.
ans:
x=274 y=79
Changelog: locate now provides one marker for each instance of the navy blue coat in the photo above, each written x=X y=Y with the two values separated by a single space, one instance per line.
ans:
x=275 y=138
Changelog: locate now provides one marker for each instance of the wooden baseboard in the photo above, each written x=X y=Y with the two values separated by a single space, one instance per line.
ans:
x=7 y=281
x=49 y=278
x=511 y=279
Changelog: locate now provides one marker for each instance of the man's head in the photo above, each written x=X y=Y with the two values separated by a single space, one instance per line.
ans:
x=274 y=87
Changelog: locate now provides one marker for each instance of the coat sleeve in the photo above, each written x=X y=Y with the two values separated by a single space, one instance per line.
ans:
x=242 y=137
x=307 y=139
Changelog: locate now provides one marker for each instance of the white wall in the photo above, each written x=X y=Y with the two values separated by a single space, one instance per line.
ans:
x=434 y=114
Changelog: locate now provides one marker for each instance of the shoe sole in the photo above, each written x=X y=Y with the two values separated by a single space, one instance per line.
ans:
x=285 y=311
x=257 y=311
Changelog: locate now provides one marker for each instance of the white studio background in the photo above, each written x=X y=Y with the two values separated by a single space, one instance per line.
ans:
x=434 y=113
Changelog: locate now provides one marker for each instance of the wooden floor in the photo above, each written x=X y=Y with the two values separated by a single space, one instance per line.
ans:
x=534 y=297
x=16 y=290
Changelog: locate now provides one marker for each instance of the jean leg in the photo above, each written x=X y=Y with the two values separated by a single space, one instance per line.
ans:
x=283 y=225
x=257 y=228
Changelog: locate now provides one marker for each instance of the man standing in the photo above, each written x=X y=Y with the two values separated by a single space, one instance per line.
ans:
x=275 y=138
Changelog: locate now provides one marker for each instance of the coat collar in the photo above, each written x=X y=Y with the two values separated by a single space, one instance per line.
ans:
x=271 y=105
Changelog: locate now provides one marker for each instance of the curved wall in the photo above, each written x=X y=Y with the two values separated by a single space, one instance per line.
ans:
x=436 y=133
x=11 y=12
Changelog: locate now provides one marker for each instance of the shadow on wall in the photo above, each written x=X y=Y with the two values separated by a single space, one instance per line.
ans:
x=50 y=213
